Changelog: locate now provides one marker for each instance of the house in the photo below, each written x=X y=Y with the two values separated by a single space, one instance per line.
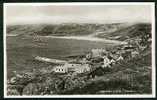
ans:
x=60 y=69
x=72 y=67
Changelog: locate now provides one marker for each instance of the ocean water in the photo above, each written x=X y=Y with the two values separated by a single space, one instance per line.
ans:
x=21 y=50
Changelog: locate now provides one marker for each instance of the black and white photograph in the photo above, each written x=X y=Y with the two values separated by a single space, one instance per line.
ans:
x=79 y=49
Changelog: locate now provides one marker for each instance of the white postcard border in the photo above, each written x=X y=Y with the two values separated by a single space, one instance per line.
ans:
x=83 y=96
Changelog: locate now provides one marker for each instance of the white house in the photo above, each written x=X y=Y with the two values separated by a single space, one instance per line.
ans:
x=60 y=69
x=77 y=68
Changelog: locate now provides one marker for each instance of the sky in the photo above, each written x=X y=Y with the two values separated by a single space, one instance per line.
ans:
x=55 y=14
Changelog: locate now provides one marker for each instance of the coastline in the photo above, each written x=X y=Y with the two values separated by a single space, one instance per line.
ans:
x=85 y=38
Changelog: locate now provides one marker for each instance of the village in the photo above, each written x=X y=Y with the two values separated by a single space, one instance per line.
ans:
x=106 y=59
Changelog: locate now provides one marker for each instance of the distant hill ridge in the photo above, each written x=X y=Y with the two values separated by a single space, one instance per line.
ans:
x=115 y=31
x=135 y=30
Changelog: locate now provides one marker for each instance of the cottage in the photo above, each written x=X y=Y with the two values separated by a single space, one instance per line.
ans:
x=68 y=67
x=60 y=69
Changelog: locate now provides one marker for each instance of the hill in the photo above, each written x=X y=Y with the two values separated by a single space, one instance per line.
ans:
x=113 y=31
x=132 y=31
x=67 y=29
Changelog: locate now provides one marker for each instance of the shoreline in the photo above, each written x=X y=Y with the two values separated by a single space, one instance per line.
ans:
x=86 y=38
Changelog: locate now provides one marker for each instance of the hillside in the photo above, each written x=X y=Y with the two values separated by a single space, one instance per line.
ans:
x=68 y=29
x=115 y=31
x=132 y=31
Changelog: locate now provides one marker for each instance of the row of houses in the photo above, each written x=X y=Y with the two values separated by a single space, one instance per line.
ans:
x=84 y=64
x=109 y=58
x=72 y=67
